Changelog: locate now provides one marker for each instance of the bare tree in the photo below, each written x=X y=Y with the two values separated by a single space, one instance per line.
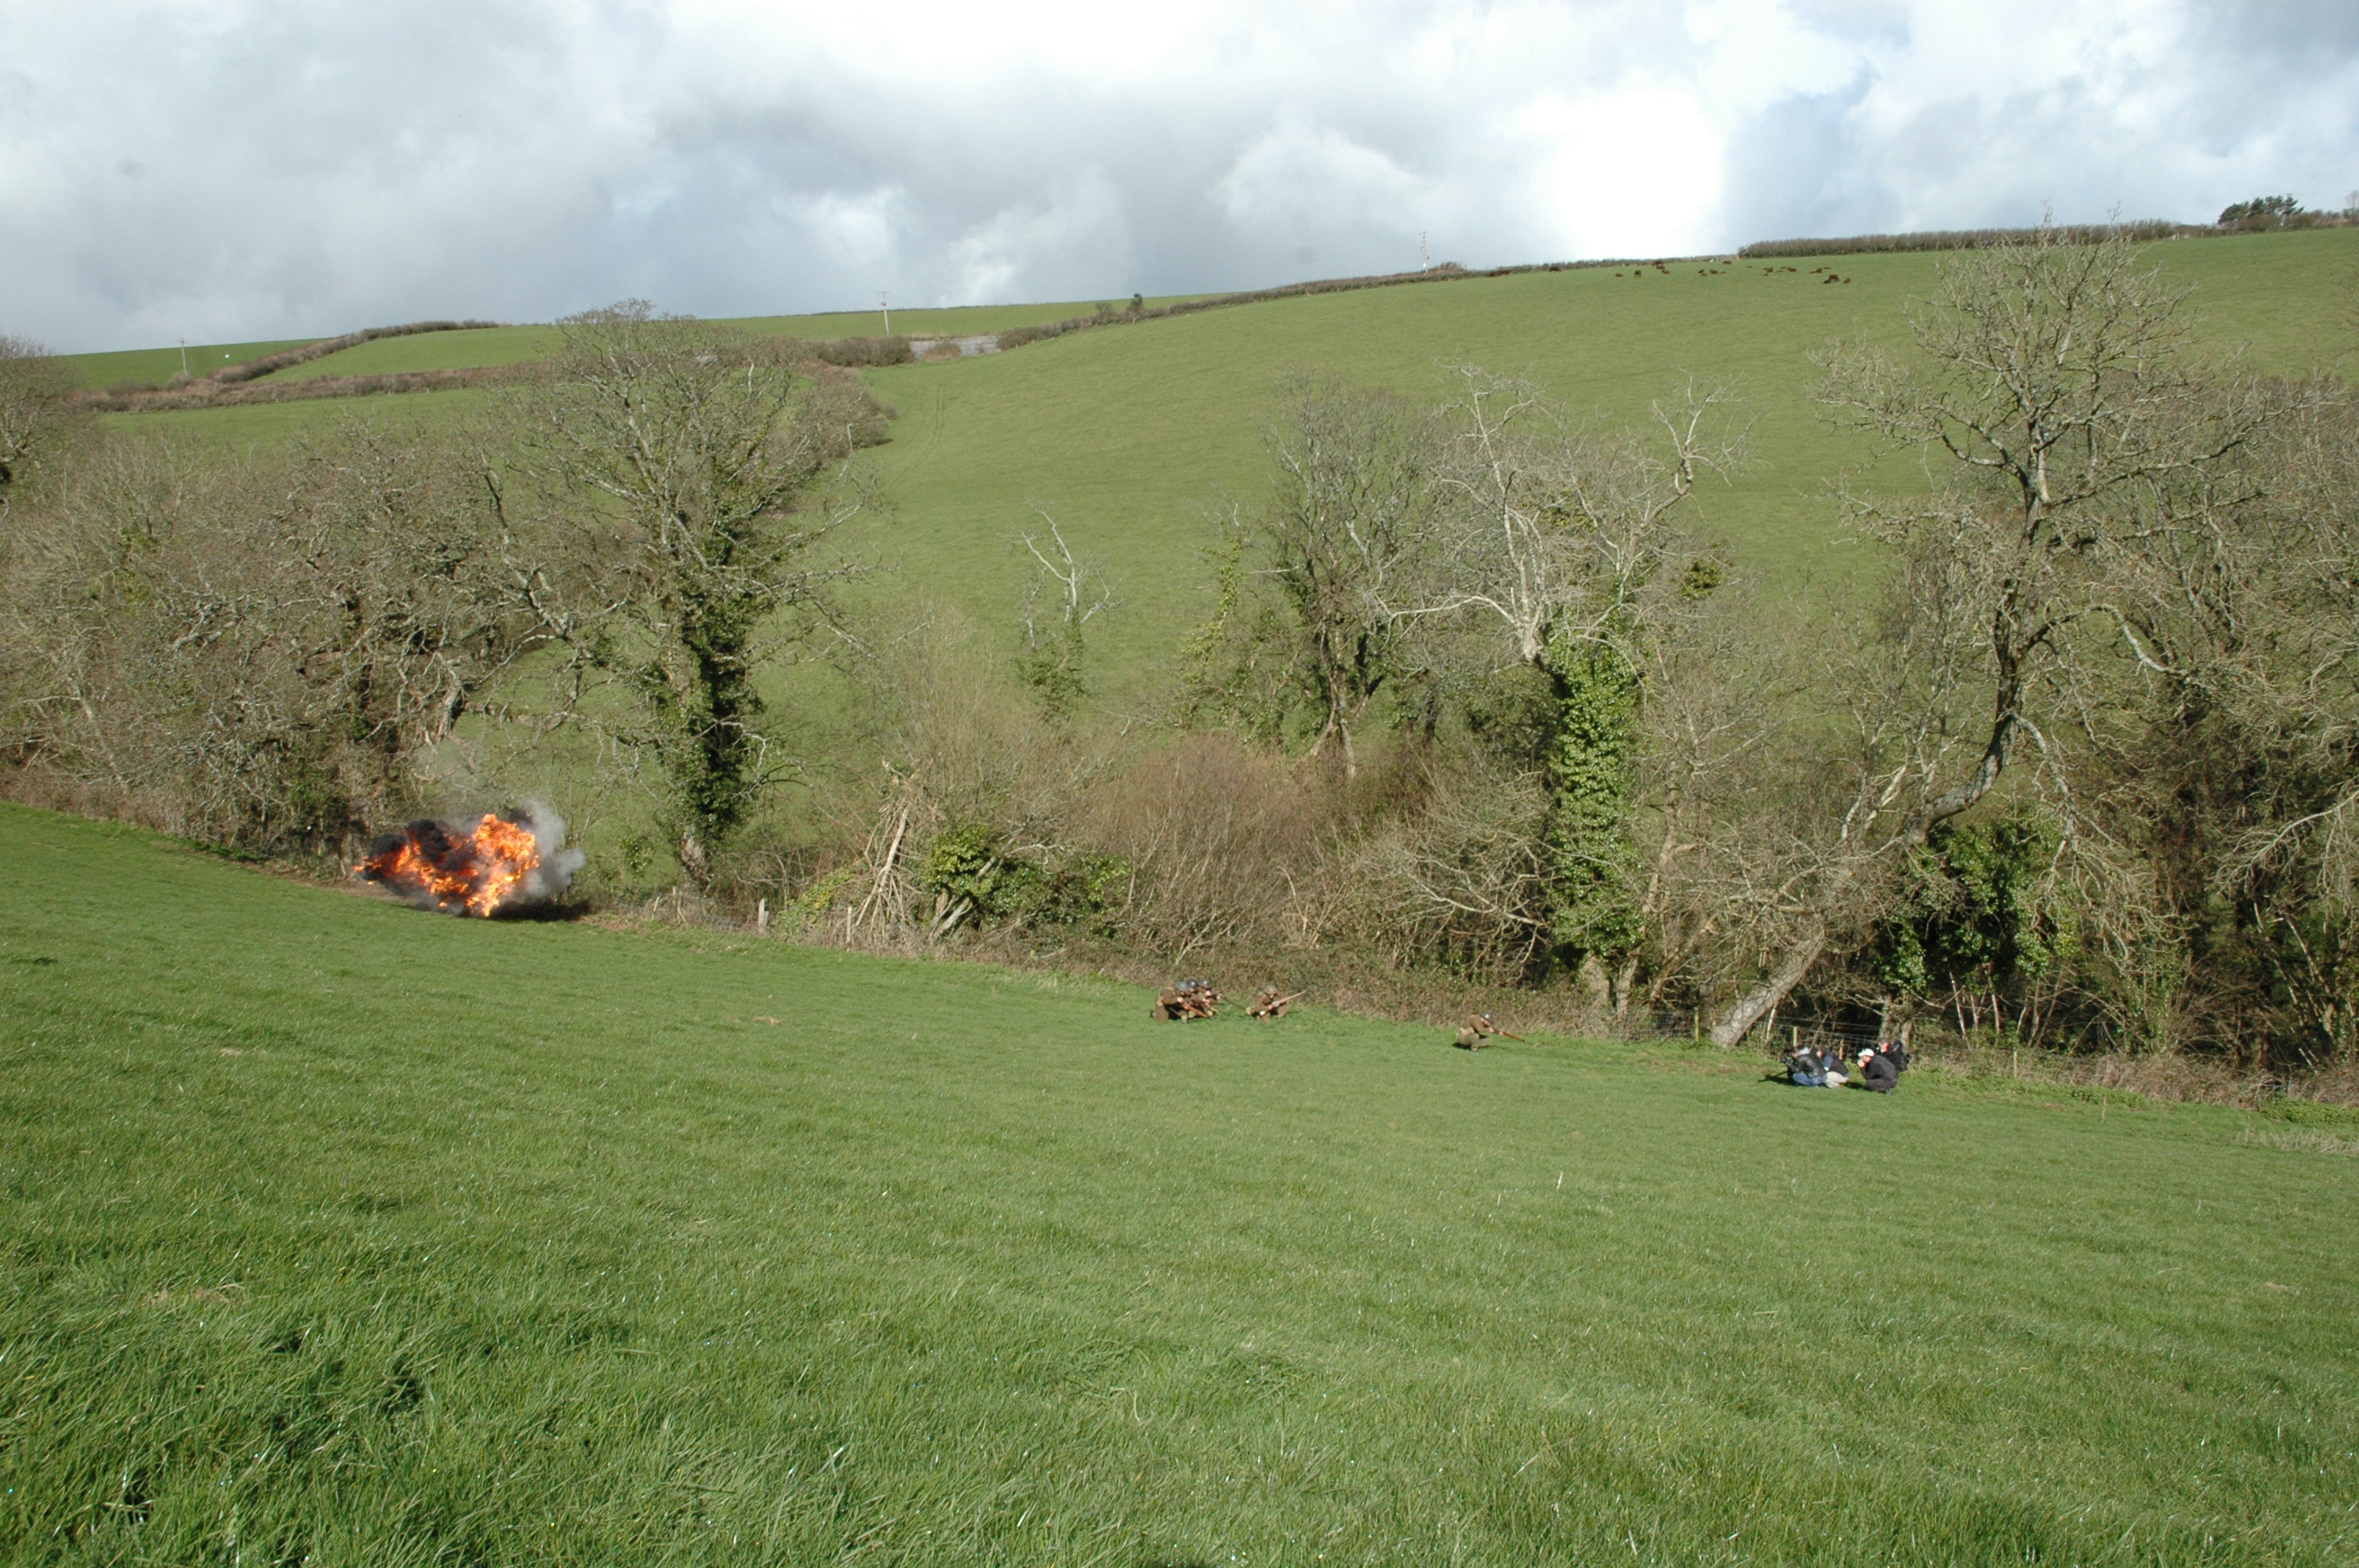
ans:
x=1065 y=594
x=2227 y=730
x=2052 y=383
x=1564 y=534
x=691 y=469
x=1723 y=686
x=1565 y=537
x=37 y=417
x=264 y=651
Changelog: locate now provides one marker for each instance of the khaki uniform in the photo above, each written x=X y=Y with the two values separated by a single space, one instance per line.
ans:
x=1271 y=1004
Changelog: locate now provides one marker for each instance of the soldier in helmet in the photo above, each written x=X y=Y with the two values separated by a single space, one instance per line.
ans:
x=1475 y=1032
x=1185 y=999
x=1271 y=1004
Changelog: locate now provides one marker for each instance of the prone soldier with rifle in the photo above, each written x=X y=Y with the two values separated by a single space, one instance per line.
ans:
x=1479 y=1030
x=1186 y=1000
x=1269 y=1004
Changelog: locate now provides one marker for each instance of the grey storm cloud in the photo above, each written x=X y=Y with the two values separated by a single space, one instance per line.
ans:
x=236 y=171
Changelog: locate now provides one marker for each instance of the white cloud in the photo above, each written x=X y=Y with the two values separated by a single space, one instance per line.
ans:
x=265 y=167
x=1634 y=172
x=1043 y=248
x=1301 y=183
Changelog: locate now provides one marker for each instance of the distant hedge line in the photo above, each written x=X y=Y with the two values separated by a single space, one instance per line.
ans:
x=225 y=389
x=1444 y=272
x=892 y=350
x=1972 y=239
x=253 y=370
x=211 y=393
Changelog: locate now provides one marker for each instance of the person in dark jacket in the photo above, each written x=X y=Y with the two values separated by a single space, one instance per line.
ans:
x=1878 y=1071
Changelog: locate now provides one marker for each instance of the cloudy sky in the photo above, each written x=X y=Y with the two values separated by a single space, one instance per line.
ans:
x=235 y=171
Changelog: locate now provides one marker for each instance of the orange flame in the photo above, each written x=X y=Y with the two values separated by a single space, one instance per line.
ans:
x=471 y=873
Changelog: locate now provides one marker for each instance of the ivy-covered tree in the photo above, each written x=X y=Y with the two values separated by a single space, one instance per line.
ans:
x=1978 y=923
x=1566 y=536
x=685 y=468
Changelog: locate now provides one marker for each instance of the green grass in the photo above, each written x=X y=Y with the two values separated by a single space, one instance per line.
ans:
x=513 y=345
x=156 y=366
x=335 y=1232
x=465 y=349
x=249 y=427
x=1124 y=433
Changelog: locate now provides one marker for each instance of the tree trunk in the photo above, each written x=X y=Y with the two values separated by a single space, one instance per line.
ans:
x=1757 y=1003
x=1596 y=986
x=694 y=864
x=1625 y=982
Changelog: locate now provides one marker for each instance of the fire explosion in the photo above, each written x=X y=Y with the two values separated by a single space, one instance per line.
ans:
x=494 y=864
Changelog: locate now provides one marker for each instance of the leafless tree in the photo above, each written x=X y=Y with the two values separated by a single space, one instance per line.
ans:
x=1564 y=534
x=1065 y=593
x=1724 y=687
x=2226 y=726
x=267 y=651
x=2052 y=388
x=1566 y=538
x=37 y=421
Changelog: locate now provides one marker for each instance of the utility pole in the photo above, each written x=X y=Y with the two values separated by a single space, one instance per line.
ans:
x=184 y=356
x=881 y=305
x=1424 y=256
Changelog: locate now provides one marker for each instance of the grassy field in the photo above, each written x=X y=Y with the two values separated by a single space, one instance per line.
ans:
x=267 y=426
x=339 y=1233
x=513 y=345
x=1125 y=434
x=154 y=367
x=510 y=345
x=430 y=350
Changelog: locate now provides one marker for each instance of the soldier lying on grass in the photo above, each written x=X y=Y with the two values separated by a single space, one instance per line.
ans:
x=1269 y=1004
x=1479 y=1030
x=1186 y=1000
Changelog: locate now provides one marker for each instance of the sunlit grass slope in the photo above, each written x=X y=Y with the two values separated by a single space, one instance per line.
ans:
x=467 y=350
x=335 y=1232
x=511 y=345
x=156 y=366
x=1123 y=434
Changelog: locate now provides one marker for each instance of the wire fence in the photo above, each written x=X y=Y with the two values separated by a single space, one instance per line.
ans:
x=1778 y=1031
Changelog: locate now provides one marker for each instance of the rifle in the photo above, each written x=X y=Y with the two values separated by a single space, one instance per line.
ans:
x=1503 y=1035
x=1270 y=1009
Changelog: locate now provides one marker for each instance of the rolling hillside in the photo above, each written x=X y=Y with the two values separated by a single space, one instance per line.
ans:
x=1124 y=433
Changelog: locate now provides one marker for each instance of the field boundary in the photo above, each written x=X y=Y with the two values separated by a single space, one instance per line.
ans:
x=232 y=386
x=1441 y=272
x=214 y=394
x=208 y=390
x=2146 y=231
